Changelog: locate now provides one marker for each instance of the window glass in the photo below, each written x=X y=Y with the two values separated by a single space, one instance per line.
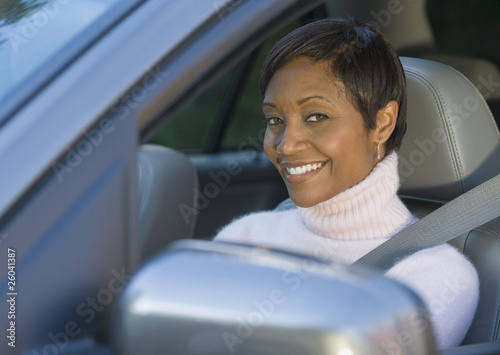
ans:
x=189 y=130
x=33 y=31
x=247 y=125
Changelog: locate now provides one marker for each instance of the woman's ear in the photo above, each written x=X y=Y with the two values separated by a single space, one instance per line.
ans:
x=386 y=121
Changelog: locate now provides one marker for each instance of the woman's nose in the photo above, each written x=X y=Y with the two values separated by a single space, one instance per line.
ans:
x=292 y=140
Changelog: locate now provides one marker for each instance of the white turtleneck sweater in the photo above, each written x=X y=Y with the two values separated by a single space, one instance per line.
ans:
x=356 y=221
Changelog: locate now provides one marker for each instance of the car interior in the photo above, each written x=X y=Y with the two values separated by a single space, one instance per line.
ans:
x=201 y=165
x=439 y=160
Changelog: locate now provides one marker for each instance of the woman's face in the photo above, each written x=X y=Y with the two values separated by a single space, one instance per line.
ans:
x=315 y=137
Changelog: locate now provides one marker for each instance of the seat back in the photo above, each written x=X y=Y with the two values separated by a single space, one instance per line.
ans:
x=452 y=145
x=167 y=188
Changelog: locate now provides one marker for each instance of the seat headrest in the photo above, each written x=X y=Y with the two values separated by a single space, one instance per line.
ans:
x=452 y=143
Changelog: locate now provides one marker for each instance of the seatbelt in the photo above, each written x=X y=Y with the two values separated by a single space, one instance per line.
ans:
x=468 y=211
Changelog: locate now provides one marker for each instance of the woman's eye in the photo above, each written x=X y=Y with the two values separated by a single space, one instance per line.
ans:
x=316 y=117
x=273 y=121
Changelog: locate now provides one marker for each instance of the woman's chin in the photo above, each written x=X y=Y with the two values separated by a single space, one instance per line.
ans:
x=304 y=201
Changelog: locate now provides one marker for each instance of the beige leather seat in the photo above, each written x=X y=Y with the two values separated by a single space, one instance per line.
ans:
x=452 y=145
x=167 y=181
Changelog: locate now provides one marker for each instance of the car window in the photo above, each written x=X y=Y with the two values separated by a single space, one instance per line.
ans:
x=33 y=31
x=189 y=130
x=192 y=129
x=247 y=124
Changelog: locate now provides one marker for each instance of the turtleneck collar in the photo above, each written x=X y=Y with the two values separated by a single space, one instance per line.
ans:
x=368 y=210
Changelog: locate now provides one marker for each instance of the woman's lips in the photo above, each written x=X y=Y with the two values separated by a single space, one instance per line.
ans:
x=297 y=173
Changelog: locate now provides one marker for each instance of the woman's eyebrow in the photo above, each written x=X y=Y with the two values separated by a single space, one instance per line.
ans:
x=299 y=102
x=269 y=104
x=305 y=99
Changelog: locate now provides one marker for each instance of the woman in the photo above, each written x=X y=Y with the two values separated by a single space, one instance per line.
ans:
x=335 y=104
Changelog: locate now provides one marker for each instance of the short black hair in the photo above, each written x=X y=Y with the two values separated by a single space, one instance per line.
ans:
x=360 y=57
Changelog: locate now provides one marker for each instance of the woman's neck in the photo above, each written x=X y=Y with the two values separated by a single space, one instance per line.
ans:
x=368 y=210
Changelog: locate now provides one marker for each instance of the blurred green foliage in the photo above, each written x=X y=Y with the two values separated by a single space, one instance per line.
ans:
x=189 y=130
x=12 y=11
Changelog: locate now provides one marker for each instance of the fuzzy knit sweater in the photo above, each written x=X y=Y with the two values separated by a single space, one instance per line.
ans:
x=354 y=222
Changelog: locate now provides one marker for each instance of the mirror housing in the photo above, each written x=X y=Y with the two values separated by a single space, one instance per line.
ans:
x=213 y=298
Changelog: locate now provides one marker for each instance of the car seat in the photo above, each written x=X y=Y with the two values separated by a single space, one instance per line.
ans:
x=167 y=181
x=452 y=144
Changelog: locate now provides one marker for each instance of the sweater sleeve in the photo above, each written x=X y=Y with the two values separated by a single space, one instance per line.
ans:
x=449 y=286
x=234 y=231
x=248 y=229
x=282 y=230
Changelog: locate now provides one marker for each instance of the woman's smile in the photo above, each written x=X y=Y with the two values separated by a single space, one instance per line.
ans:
x=296 y=173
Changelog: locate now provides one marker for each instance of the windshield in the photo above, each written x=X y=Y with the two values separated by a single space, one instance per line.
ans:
x=33 y=31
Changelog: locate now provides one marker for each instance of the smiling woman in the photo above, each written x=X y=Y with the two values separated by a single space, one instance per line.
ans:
x=311 y=123
x=335 y=104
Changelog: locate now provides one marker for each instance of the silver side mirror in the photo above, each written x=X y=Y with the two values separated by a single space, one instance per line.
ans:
x=208 y=298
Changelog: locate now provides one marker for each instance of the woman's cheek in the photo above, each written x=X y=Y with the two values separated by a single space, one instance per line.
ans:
x=270 y=145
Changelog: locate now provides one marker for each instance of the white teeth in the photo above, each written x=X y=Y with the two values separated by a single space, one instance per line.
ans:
x=303 y=169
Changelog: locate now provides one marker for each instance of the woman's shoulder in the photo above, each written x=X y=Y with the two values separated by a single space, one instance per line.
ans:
x=256 y=225
x=448 y=284
x=443 y=259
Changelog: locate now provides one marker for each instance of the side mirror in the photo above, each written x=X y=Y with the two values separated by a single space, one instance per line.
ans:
x=209 y=298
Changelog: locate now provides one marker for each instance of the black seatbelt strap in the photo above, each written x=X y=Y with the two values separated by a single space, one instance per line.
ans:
x=468 y=211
